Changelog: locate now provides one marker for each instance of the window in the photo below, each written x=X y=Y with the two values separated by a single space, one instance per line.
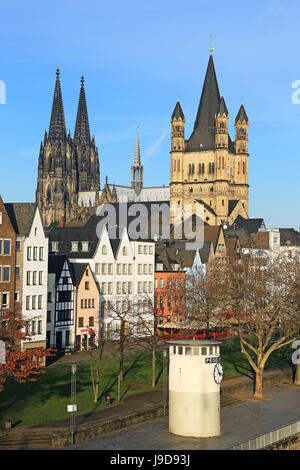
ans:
x=161 y=283
x=119 y=268
x=140 y=249
x=130 y=269
x=145 y=287
x=6 y=250
x=74 y=246
x=35 y=253
x=150 y=250
x=140 y=269
x=50 y=297
x=124 y=270
x=110 y=268
x=18 y=245
x=118 y=288
x=17 y=271
x=156 y=283
x=97 y=268
x=139 y=287
x=28 y=253
x=110 y=288
x=6 y=274
x=145 y=269
x=5 y=300
x=103 y=288
x=54 y=246
x=49 y=316
x=150 y=287
x=104 y=250
x=124 y=287
x=91 y=321
x=85 y=246
x=124 y=251
x=33 y=326
x=34 y=278
x=104 y=268
x=40 y=278
x=39 y=327
x=150 y=268
x=27 y=302
x=17 y=296
x=40 y=301
x=129 y=287
x=145 y=249
x=41 y=253
x=87 y=285
x=33 y=302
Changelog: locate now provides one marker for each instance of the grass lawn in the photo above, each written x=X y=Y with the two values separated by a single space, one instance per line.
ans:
x=47 y=398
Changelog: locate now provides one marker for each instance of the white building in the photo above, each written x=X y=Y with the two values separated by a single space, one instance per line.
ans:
x=34 y=283
x=123 y=268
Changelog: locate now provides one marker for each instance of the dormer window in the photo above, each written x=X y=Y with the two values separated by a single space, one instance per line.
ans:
x=54 y=246
x=74 y=246
x=85 y=246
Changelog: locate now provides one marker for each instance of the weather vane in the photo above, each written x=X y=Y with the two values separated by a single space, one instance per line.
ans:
x=211 y=49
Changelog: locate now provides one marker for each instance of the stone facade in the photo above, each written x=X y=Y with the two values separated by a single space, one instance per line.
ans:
x=209 y=168
x=66 y=165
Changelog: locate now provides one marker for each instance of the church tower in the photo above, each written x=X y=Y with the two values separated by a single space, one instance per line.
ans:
x=66 y=166
x=56 y=187
x=86 y=153
x=137 y=169
x=209 y=168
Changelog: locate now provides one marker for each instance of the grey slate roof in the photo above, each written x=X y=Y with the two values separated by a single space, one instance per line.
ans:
x=78 y=269
x=21 y=215
x=223 y=108
x=55 y=264
x=241 y=115
x=203 y=135
x=250 y=225
x=178 y=113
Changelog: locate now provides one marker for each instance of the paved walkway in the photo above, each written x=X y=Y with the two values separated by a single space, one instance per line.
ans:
x=143 y=400
x=239 y=423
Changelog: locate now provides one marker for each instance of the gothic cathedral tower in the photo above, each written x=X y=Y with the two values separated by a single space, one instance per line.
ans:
x=208 y=168
x=66 y=166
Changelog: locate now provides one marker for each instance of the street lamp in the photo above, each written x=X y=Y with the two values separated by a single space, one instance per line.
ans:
x=72 y=408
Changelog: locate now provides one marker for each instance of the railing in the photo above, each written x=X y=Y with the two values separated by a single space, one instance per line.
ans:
x=272 y=437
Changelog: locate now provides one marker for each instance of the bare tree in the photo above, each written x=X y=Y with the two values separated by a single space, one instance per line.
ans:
x=96 y=352
x=260 y=296
x=119 y=320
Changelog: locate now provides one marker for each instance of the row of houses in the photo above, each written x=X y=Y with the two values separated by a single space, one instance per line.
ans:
x=74 y=283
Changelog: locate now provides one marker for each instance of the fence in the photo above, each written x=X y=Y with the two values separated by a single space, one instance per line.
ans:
x=270 y=438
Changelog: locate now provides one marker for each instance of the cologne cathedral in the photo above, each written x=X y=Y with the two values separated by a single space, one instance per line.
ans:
x=67 y=165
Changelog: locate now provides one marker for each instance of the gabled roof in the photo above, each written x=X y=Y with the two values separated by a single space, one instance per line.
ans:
x=212 y=233
x=66 y=235
x=21 y=215
x=55 y=264
x=78 y=269
x=250 y=225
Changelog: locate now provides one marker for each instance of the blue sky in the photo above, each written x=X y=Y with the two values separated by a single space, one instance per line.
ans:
x=137 y=57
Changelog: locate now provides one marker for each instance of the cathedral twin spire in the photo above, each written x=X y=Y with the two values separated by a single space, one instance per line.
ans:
x=57 y=128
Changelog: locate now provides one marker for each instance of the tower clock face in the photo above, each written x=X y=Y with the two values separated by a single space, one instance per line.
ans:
x=218 y=373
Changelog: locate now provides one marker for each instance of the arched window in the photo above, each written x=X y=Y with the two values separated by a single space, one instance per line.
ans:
x=213 y=168
x=203 y=169
x=124 y=251
x=104 y=250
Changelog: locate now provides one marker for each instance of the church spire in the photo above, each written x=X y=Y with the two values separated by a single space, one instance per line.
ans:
x=203 y=134
x=137 y=169
x=137 y=155
x=82 y=128
x=57 y=129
